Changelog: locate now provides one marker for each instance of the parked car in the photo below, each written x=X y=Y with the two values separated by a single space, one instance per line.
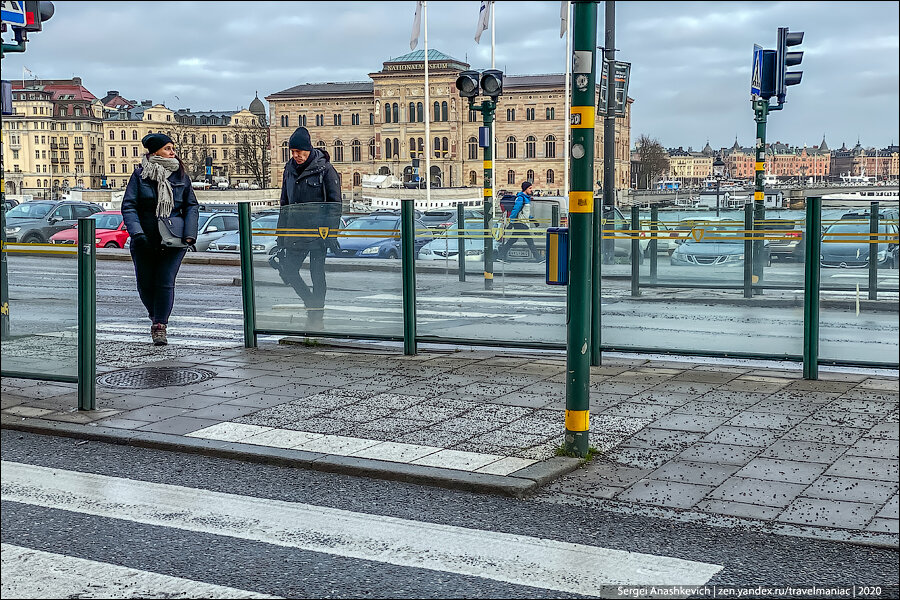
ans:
x=444 y=218
x=378 y=236
x=262 y=242
x=787 y=243
x=38 y=220
x=845 y=244
x=110 y=231
x=714 y=245
x=9 y=203
x=214 y=226
x=446 y=245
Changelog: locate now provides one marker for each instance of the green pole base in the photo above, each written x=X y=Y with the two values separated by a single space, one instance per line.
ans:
x=576 y=442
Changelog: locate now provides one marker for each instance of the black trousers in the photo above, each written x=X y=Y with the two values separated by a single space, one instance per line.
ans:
x=517 y=226
x=293 y=260
x=155 y=270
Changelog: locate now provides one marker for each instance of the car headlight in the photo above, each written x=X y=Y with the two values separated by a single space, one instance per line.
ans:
x=96 y=240
x=425 y=251
x=371 y=250
x=882 y=254
x=11 y=230
x=213 y=246
x=258 y=247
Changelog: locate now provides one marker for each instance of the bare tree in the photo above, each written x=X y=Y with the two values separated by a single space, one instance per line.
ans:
x=653 y=160
x=191 y=149
x=251 y=156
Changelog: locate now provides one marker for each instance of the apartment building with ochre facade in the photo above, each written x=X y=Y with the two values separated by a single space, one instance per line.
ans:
x=378 y=127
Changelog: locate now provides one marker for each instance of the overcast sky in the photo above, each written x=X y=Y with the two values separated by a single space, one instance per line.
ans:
x=690 y=75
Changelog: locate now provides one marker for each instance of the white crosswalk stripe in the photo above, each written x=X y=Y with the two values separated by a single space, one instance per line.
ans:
x=516 y=559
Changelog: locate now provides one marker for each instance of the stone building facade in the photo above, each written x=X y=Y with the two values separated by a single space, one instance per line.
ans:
x=378 y=127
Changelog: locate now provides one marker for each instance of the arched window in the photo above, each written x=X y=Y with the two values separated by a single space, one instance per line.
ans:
x=437 y=111
x=510 y=114
x=112 y=134
x=372 y=148
x=372 y=119
x=357 y=180
x=445 y=148
x=551 y=178
x=203 y=139
x=396 y=146
x=437 y=147
x=224 y=138
x=388 y=146
x=551 y=113
x=412 y=112
x=530 y=144
x=396 y=113
x=356 y=151
x=338 y=151
x=473 y=178
x=473 y=116
x=213 y=138
x=473 y=148
x=421 y=146
x=387 y=113
x=123 y=134
x=511 y=177
x=530 y=175
x=412 y=147
x=134 y=134
x=320 y=145
x=420 y=112
x=550 y=146
x=511 y=147
x=444 y=113
x=193 y=139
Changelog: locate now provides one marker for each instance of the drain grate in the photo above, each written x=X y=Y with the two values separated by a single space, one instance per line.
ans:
x=154 y=377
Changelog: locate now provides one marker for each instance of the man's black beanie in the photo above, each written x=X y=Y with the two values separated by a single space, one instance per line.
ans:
x=526 y=185
x=300 y=140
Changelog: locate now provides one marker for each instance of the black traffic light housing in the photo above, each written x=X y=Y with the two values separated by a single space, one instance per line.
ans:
x=492 y=83
x=467 y=84
x=36 y=12
x=784 y=59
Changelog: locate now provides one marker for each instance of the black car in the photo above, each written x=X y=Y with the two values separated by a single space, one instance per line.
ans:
x=37 y=220
x=442 y=219
x=845 y=244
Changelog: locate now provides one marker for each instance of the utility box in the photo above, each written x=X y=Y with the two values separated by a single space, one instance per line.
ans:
x=557 y=256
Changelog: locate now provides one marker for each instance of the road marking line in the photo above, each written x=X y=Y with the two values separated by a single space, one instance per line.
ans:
x=31 y=573
x=510 y=558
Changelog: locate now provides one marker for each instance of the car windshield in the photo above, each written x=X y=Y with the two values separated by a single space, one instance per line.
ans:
x=364 y=223
x=720 y=235
x=266 y=222
x=854 y=228
x=437 y=216
x=30 y=210
x=107 y=221
x=202 y=219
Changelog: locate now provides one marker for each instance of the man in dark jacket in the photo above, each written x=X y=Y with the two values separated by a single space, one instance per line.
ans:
x=310 y=212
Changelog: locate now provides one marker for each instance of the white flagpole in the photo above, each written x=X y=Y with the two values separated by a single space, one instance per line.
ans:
x=494 y=124
x=568 y=99
x=428 y=145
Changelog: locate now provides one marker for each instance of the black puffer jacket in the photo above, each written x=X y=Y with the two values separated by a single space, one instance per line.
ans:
x=317 y=189
x=139 y=205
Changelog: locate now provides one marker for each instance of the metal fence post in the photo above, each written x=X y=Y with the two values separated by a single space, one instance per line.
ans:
x=249 y=301
x=873 y=251
x=748 y=251
x=635 y=250
x=813 y=237
x=554 y=215
x=461 y=239
x=87 y=314
x=408 y=259
x=654 y=247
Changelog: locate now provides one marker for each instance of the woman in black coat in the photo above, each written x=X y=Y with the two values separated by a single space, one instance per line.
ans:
x=159 y=188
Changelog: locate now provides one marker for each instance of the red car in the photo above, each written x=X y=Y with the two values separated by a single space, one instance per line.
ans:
x=110 y=231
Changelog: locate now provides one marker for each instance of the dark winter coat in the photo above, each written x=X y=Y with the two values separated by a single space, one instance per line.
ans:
x=318 y=188
x=139 y=206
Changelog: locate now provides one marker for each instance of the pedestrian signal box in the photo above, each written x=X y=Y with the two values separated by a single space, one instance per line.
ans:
x=557 y=256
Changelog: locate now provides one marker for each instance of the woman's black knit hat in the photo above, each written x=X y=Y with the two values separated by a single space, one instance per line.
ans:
x=154 y=141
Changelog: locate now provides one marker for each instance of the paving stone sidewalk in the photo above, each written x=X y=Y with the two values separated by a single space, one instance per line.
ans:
x=700 y=440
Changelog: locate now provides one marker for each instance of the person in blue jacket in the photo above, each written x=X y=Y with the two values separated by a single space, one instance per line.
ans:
x=519 y=218
x=159 y=188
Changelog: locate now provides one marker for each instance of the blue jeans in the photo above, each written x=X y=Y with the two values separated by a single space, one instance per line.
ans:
x=155 y=270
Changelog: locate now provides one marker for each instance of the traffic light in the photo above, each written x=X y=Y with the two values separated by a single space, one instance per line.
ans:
x=467 y=84
x=784 y=59
x=492 y=83
x=36 y=12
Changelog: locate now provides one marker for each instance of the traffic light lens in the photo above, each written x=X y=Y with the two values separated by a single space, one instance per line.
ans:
x=490 y=85
x=466 y=85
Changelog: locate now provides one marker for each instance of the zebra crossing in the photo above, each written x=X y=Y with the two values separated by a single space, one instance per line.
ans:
x=546 y=564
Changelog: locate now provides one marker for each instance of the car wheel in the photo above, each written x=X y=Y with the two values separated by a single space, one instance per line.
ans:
x=32 y=238
x=111 y=245
x=393 y=254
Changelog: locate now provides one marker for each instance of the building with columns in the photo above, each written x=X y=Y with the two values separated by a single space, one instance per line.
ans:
x=378 y=127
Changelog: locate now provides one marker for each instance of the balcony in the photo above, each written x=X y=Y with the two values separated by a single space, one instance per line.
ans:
x=54 y=146
x=79 y=146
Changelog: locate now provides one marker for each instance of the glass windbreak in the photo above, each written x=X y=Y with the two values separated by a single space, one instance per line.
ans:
x=43 y=312
x=316 y=272
x=859 y=284
x=107 y=220
x=506 y=301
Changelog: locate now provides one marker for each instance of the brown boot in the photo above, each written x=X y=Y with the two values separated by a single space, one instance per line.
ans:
x=158 y=333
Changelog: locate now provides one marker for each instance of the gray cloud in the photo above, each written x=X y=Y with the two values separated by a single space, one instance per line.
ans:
x=691 y=60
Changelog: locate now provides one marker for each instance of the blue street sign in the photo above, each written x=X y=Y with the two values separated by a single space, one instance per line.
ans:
x=756 y=71
x=12 y=12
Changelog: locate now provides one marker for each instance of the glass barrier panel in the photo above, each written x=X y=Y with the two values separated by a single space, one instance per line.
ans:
x=43 y=311
x=859 y=297
x=321 y=272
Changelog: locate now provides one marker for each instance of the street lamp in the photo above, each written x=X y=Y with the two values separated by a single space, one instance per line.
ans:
x=718 y=173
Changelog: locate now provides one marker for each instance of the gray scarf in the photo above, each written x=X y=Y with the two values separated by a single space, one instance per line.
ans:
x=158 y=169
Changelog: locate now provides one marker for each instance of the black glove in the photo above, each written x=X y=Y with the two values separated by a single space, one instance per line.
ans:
x=139 y=241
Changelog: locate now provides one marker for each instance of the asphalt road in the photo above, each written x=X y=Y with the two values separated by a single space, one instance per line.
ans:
x=84 y=519
x=369 y=301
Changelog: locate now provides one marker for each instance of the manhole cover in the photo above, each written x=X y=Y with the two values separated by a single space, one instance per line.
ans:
x=154 y=377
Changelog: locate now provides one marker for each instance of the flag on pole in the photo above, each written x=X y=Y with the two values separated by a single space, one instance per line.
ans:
x=563 y=18
x=484 y=19
x=27 y=70
x=417 y=26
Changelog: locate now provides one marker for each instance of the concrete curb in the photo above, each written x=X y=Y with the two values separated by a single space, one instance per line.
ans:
x=518 y=486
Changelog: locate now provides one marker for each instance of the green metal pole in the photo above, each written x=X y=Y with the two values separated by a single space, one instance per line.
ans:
x=249 y=300
x=461 y=239
x=635 y=250
x=748 y=251
x=813 y=242
x=87 y=314
x=487 y=111
x=873 y=251
x=596 y=281
x=581 y=228
x=554 y=215
x=4 y=275
x=761 y=112
x=408 y=260
x=654 y=248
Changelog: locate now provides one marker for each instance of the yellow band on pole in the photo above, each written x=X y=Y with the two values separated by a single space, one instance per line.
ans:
x=759 y=195
x=488 y=275
x=582 y=117
x=581 y=202
x=488 y=193
x=577 y=420
x=760 y=166
x=488 y=164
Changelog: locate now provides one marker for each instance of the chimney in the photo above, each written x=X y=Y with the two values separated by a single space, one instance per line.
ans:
x=112 y=93
x=76 y=81
x=146 y=103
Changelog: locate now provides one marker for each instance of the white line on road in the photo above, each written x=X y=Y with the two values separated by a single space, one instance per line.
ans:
x=31 y=573
x=515 y=559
